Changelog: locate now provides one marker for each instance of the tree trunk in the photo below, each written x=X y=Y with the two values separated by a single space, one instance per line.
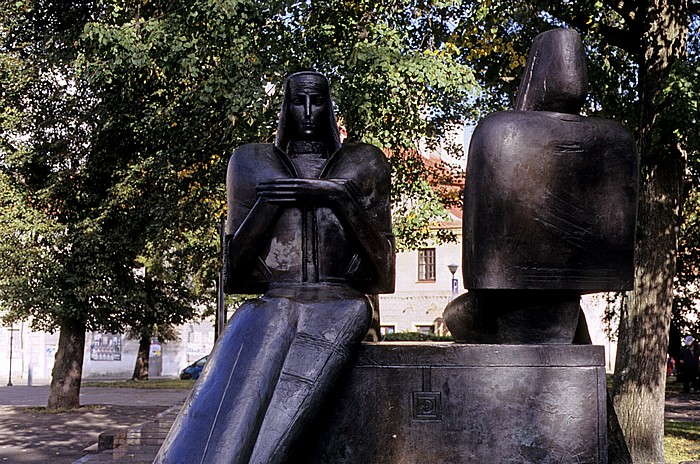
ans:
x=640 y=370
x=68 y=367
x=141 y=366
x=638 y=389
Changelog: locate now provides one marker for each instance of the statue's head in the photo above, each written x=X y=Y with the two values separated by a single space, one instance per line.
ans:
x=307 y=112
x=555 y=77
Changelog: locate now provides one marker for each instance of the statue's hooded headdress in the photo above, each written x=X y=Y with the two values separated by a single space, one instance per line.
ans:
x=555 y=77
x=330 y=133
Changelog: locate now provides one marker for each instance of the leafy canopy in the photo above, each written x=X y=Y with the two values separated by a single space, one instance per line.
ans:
x=118 y=118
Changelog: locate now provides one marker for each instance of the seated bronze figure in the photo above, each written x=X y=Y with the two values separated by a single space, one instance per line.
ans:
x=549 y=207
x=308 y=226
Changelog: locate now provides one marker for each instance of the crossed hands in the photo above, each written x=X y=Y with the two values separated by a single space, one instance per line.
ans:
x=300 y=190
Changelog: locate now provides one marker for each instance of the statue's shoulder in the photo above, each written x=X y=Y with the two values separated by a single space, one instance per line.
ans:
x=254 y=152
x=361 y=157
x=510 y=123
x=511 y=130
x=362 y=150
x=258 y=160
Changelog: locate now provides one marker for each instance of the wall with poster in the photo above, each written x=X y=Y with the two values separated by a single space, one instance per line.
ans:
x=106 y=347
x=106 y=355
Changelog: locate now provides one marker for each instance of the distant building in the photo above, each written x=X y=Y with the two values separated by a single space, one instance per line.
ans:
x=423 y=286
x=106 y=355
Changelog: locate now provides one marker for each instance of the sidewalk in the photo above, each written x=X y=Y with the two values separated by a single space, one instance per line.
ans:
x=136 y=445
x=28 y=434
x=682 y=407
x=38 y=396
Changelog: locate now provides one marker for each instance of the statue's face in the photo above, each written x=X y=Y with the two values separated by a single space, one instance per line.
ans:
x=307 y=106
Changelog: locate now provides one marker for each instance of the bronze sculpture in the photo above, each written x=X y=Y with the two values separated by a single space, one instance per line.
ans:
x=309 y=226
x=549 y=207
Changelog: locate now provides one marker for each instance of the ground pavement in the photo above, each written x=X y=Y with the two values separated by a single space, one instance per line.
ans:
x=682 y=407
x=29 y=435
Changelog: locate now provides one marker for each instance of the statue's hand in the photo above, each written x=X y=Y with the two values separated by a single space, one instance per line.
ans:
x=299 y=190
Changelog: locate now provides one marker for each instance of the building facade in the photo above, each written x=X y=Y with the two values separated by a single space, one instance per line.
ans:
x=30 y=359
x=424 y=286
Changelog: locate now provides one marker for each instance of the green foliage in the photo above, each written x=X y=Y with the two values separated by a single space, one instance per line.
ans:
x=685 y=310
x=118 y=118
x=614 y=306
x=494 y=37
x=680 y=96
x=81 y=166
x=396 y=78
x=27 y=241
x=416 y=223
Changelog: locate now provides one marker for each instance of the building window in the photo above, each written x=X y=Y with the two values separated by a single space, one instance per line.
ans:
x=426 y=265
x=425 y=329
x=387 y=329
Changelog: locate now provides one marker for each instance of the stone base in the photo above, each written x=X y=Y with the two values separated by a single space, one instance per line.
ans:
x=443 y=403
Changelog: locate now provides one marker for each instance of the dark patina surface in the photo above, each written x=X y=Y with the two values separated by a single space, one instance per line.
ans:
x=549 y=207
x=308 y=226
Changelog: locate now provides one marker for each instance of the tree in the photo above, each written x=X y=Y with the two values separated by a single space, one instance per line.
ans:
x=42 y=157
x=82 y=170
x=118 y=118
x=636 y=50
x=685 y=319
x=163 y=301
x=686 y=88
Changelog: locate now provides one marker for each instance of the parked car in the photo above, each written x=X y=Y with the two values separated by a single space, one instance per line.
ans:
x=193 y=370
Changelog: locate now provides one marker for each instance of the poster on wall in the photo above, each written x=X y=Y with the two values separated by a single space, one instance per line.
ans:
x=156 y=348
x=106 y=347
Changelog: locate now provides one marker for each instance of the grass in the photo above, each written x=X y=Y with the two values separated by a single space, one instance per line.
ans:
x=144 y=384
x=44 y=410
x=681 y=441
x=673 y=384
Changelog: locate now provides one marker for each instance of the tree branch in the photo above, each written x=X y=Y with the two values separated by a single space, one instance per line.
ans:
x=625 y=38
x=627 y=9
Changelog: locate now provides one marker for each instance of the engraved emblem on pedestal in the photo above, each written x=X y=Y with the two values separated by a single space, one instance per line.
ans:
x=427 y=406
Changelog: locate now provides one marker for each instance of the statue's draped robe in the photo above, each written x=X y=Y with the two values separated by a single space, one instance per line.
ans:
x=281 y=353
